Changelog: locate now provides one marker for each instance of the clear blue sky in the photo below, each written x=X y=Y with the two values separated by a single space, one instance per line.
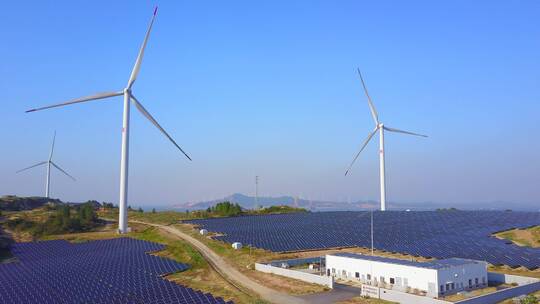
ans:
x=270 y=89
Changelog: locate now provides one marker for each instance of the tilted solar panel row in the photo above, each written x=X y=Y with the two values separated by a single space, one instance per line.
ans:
x=438 y=234
x=106 y=271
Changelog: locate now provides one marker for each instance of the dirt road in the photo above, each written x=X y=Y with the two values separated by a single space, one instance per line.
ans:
x=231 y=274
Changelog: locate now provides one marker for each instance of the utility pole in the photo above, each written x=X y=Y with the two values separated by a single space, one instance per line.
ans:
x=256 y=192
x=372 y=232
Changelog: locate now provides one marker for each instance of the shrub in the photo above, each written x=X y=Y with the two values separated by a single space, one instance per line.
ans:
x=530 y=299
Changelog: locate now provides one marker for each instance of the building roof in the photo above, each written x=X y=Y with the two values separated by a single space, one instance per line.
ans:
x=435 y=264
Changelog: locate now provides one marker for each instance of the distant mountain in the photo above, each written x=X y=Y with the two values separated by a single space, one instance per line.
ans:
x=248 y=202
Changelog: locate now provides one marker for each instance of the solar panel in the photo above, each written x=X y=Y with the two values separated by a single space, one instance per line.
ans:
x=105 y=271
x=437 y=234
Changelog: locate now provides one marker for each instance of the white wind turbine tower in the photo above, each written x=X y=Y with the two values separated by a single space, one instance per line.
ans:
x=128 y=96
x=48 y=162
x=379 y=126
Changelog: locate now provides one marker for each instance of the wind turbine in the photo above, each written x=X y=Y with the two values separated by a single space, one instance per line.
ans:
x=48 y=162
x=380 y=127
x=128 y=96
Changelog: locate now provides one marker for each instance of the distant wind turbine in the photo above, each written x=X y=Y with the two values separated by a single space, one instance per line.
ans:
x=379 y=126
x=48 y=162
x=128 y=95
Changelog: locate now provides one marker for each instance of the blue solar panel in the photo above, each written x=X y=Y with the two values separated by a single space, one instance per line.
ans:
x=106 y=271
x=442 y=235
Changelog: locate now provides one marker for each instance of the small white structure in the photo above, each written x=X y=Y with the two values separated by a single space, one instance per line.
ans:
x=237 y=245
x=434 y=278
x=203 y=232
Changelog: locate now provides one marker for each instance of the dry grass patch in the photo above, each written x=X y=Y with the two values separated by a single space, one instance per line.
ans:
x=245 y=259
x=529 y=237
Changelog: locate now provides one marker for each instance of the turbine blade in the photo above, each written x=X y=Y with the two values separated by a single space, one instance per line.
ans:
x=58 y=167
x=137 y=66
x=78 y=100
x=38 y=164
x=370 y=103
x=370 y=135
x=404 y=132
x=153 y=121
x=52 y=146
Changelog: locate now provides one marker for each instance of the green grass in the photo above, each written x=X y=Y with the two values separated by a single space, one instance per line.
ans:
x=177 y=250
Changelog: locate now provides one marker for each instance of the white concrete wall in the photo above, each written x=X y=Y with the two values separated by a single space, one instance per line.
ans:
x=295 y=274
x=404 y=276
x=460 y=276
x=503 y=294
x=509 y=279
x=407 y=298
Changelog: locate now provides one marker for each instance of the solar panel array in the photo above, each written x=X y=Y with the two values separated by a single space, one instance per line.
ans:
x=438 y=234
x=105 y=271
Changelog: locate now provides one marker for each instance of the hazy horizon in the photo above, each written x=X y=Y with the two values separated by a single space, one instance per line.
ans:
x=271 y=90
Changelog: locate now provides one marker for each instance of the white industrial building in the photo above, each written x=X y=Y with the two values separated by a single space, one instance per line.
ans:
x=434 y=278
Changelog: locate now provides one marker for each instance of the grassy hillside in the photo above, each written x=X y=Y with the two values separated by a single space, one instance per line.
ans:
x=15 y=203
x=52 y=219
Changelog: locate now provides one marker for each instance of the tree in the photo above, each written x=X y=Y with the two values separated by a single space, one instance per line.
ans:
x=140 y=210
x=153 y=210
x=226 y=209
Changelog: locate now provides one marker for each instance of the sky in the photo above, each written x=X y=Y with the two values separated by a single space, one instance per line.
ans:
x=270 y=89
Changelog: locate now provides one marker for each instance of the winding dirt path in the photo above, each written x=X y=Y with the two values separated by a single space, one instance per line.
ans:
x=228 y=272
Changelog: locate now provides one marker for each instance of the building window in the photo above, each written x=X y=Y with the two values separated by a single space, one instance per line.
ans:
x=470 y=283
x=392 y=281
x=442 y=288
x=382 y=279
x=357 y=274
x=369 y=277
x=476 y=282
x=333 y=270
x=344 y=273
x=483 y=280
x=452 y=286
